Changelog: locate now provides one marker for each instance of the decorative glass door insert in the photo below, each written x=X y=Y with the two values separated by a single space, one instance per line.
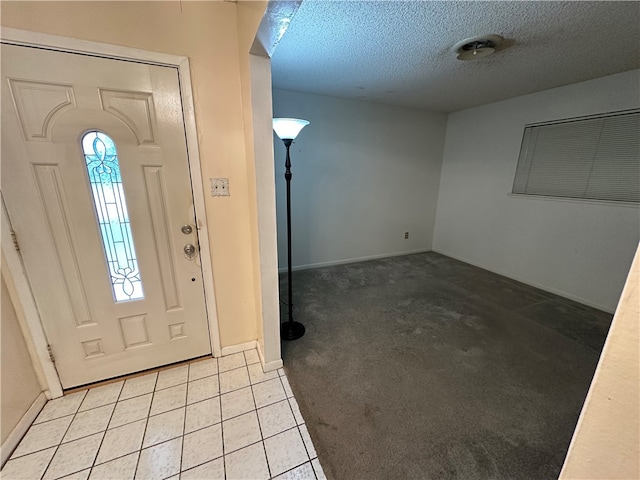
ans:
x=110 y=205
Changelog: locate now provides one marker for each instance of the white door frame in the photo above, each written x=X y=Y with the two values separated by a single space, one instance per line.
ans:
x=71 y=45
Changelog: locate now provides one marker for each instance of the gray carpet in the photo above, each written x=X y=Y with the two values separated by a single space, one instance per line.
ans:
x=423 y=367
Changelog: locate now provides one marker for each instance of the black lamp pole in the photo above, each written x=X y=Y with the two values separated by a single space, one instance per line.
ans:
x=291 y=330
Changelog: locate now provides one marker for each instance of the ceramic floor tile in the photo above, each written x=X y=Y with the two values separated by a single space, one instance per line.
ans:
x=137 y=386
x=172 y=377
x=268 y=392
x=318 y=469
x=231 y=361
x=213 y=470
x=202 y=389
x=202 y=446
x=27 y=467
x=236 y=403
x=74 y=456
x=287 y=388
x=160 y=461
x=61 y=407
x=163 y=427
x=281 y=372
x=123 y=468
x=202 y=414
x=257 y=375
x=285 y=451
x=296 y=411
x=249 y=463
x=241 y=431
x=169 y=399
x=203 y=368
x=98 y=396
x=234 y=379
x=121 y=441
x=130 y=410
x=251 y=356
x=89 y=422
x=306 y=438
x=83 y=475
x=43 y=435
x=303 y=472
x=276 y=418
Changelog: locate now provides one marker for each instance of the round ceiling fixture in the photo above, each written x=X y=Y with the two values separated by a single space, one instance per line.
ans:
x=477 y=47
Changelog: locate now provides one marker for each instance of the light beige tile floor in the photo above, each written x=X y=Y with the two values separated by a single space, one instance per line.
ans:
x=211 y=419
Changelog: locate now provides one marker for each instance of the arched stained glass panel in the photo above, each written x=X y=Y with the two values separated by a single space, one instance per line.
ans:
x=103 y=169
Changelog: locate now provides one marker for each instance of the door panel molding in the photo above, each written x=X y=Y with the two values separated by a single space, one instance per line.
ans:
x=156 y=197
x=57 y=214
x=64 y=44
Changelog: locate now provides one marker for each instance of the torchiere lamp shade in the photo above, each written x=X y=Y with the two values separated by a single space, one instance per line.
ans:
x=288 y=128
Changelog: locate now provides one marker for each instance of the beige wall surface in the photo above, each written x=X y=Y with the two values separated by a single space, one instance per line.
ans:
x=19 y=384
x=606 y=443
x=208 y=33
x=249 y=16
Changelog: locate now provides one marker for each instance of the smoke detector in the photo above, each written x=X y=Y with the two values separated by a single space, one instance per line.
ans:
x=477 y=47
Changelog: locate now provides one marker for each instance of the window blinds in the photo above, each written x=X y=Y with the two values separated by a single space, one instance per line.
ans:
x=586 y=158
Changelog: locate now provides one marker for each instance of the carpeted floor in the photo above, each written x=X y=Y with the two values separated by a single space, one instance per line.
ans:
x=423 y=367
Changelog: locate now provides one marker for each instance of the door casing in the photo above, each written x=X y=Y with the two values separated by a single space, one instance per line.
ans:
x=22 y=290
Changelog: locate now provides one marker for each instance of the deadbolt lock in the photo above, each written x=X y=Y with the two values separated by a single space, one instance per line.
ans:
x=189 y=250
x=187 y=229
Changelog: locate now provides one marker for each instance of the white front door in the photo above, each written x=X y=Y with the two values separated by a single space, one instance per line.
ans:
x=95 y=177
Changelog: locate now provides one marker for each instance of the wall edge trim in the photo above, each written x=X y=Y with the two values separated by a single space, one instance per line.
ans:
x=21 y=428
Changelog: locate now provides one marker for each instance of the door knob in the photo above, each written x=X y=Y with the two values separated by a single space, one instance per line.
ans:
x=189 y=250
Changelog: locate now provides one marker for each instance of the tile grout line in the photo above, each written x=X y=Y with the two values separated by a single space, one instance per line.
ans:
x=264 y=448
x=184 y=420
x=62 y=437
x=95 y=458
x=224 y=459
x=153 y=394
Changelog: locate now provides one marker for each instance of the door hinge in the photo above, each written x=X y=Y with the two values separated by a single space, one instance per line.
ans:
x=51 y=357
x=14 y=239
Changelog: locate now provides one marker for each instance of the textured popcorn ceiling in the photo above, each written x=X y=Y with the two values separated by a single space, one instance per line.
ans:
x=400 y=52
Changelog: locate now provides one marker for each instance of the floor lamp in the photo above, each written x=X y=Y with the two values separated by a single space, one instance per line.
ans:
x=287 y=130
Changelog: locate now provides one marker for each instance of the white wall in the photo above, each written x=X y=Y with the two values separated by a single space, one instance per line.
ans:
x=363 y=174
x=582 y=250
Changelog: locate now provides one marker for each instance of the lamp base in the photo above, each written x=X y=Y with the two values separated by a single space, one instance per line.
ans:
x=291 y=331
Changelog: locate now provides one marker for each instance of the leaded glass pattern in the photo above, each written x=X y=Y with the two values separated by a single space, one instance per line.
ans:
x=103 y=169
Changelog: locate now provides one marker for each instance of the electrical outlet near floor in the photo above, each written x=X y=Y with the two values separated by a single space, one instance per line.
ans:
x=219 y=187
x=406 y=235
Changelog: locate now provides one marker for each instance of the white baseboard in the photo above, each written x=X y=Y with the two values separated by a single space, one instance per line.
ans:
x=18 y=432
x=271 y=366
x=345 y=261
x=241 y=347
x=546 y=288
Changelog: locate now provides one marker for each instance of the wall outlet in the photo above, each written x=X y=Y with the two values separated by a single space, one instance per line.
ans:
x=406 y=235
x=219 y=187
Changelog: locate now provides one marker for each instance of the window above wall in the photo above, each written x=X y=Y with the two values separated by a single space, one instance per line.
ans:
x=594 y=158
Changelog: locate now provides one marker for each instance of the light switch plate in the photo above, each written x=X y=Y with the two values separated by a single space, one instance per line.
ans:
x=219 y=187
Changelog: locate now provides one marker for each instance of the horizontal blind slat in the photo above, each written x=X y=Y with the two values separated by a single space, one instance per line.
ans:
x=595 y=158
